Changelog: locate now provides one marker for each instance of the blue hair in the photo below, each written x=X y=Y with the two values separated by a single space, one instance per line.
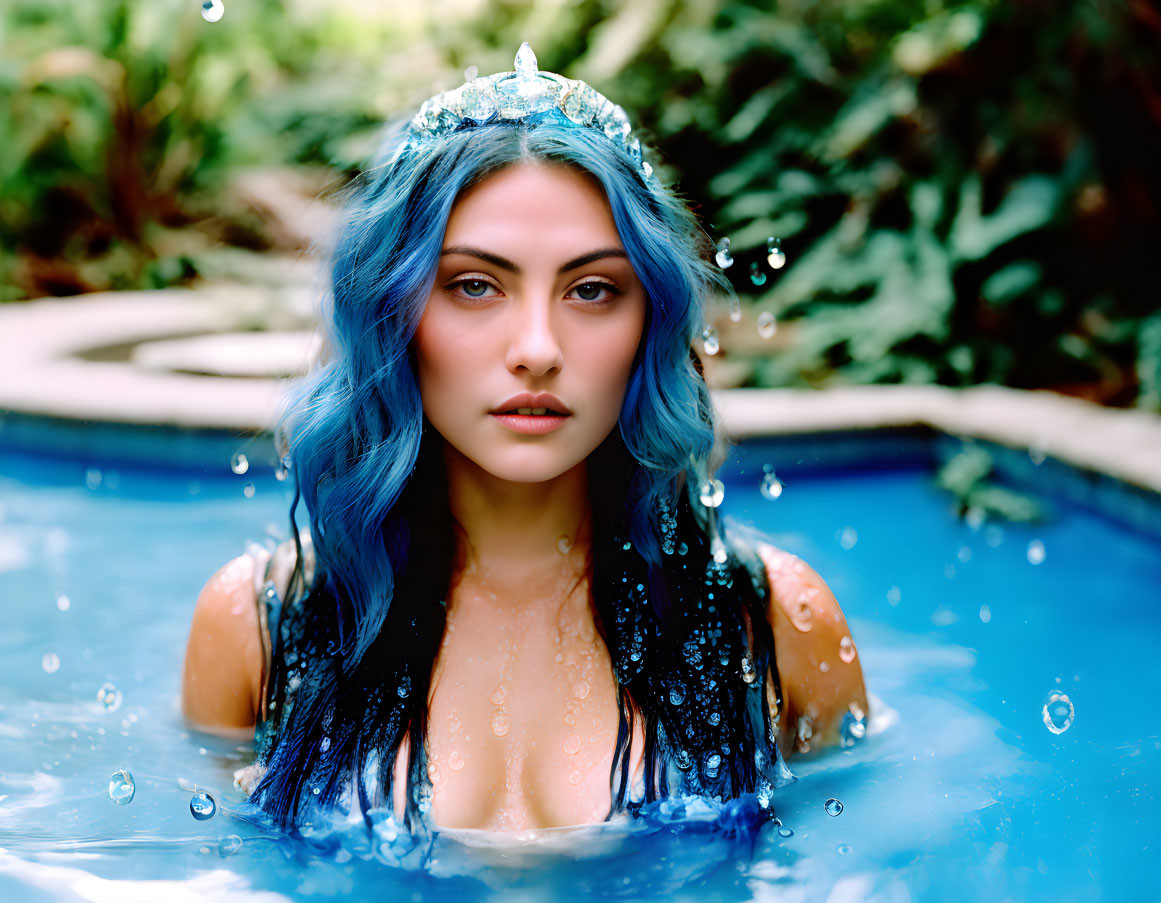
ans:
x=369 y=470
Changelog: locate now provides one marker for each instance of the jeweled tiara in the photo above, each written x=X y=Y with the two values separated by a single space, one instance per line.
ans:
x=527 y=93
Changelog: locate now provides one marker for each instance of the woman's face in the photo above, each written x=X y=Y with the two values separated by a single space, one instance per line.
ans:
x=534 y=296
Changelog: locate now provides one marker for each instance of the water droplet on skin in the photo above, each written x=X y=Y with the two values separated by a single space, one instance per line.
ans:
x=229 y=845
x=572 y=744
x=455 y=760
x=723 y=257
x=499 y=696
x=121 y=787
x=771 y=487
x=63 y=603
x=202 y=806
x=757 y=274
x=712 y=492
x=434 y=774
x=833 y=807
x=248 y=490
x=50 y=662
x=710 y=341
x=846 y=650
x=574 y=777
x=767 y=325
x=570 y=718
x=848 y=537
x=802 y=616
x=1036 y=553
x=454 y=725
x=239 y=463
x=985 y=613
x=774 y=254
x=1058 y=712
x=580 y=690
x=894 y=596
x=213 y=10
x=824 y=667
x=563 y=544
x=500 y=724
x=109 y=697
x=558 y=658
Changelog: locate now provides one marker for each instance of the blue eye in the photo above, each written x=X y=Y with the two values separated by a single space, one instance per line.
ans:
x=474 y=288
x=590 y=292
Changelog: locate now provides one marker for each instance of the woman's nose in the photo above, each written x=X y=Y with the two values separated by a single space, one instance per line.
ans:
x=534 y=344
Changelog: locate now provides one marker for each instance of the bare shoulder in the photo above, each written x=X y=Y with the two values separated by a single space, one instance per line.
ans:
x=224 y=658
x=818 y=663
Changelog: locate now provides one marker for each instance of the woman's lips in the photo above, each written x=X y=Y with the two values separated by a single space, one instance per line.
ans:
x=531 y=424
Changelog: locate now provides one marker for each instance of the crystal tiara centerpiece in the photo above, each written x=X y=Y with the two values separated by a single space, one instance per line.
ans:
x=526 y=93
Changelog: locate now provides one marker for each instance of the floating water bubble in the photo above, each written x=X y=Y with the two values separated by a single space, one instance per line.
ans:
x=63 y=603
x=109 y=696
x=736 y=310
x=774 y=254
x=627 y=545
x=771 y=486
x=563 y=544
x=847 y=650
x=767 y=325
x=239 y=463
x=1036 y=552
x=985 y=613
x=710 y=341
x=676 y=697
x=93 y=477
x=757 y=274
x=993 y=536
x=455 y=760
x=500 y=724
x=202 y=806
x=213 y=10
x=248 y=490
x=712 y=492
x=1058 y=712
x=229 y=845
x=843 y=848
x=894 y=596
x=1037 y=455
x=723 y=256
x=682 y=549
x=833 y=807
x=50 y=661
x=470 y=73
x=964 y=554
x=848 y=537
x=122 y=787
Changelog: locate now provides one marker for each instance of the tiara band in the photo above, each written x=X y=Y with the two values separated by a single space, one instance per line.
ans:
x=525 y=94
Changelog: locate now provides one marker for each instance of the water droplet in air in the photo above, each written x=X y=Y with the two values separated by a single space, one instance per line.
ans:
x=712 y=492
x=50 y=662
x=846 y=650
x=964 y=554
x=771 y=487
x=736 y=310
x=572 y=744
x=239 y=463
x=1037 y=455
x=1058 y=712
x=499 y=696
x=676 y=697
x=1036 y=553
x=627 y=545
x=213 y=10
x=894 y=596
x=404 y=688
x=63 y=603
x=563 y=544
x=757 y=274
x=710 y=341
x=248 y=490
x=121 y=787
x=470 y=73
x=202 y=806
x=848 y=537
x=843 y=849
x=774 y=254
x=455 y=760
x=283 y=468
x=574 y=777
x=767 y=325
x=723 y=256
x=682 y=549
x=785 y=832
x=985 y=613
x=229 y=845
x=500 y=724
x=833 y=807
x=93 y=477
x=109 y=696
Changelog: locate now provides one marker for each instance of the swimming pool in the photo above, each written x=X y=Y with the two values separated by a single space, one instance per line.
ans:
x=959 y=792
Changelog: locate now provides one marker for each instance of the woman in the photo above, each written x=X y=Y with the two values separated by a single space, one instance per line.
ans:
x=515 y=607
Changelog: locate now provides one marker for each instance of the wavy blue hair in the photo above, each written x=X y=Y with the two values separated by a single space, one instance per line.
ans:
x=369 y=471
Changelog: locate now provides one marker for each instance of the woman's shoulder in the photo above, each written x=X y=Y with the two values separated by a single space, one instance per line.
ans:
x=818 y=663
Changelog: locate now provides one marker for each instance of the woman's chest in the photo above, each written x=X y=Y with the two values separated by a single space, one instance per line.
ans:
x=522 y=730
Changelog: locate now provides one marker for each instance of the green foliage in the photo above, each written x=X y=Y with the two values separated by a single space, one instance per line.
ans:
x=967 y=476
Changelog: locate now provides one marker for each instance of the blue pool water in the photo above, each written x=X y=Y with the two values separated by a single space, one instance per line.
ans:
x=959 y=792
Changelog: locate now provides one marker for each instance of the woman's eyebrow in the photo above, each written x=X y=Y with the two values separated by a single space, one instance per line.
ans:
x=506 y=264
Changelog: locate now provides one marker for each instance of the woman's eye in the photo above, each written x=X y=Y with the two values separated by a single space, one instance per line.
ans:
x=472 y=288
x=591 y=291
